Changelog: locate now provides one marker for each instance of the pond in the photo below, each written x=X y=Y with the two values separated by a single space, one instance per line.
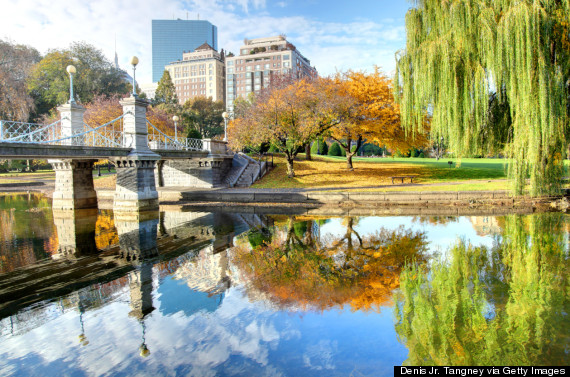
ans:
x=94 y=292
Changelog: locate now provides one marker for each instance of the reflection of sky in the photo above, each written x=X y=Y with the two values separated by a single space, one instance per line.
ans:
x=238 y=338
x=175 y=297
x=439 y=236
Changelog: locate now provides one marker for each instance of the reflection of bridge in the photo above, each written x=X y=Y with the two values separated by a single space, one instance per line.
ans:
x=142 y=154
x=144 y=242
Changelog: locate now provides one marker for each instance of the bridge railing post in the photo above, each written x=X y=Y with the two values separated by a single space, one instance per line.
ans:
x=71 y=121
x=136 y=185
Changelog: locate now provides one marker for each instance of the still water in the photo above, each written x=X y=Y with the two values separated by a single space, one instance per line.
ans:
x=228 y=294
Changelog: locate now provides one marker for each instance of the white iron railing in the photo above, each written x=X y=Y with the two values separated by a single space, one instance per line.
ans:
x=20 y=132
x=107 y=135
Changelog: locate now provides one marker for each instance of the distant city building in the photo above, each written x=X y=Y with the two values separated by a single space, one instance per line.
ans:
x=258 y=60
x=199 y=73
x=149 y=89
x=170 y=38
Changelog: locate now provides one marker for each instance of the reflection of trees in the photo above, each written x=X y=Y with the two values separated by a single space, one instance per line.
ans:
x=19 y=246
x=298 y=269
x=508 y=305
x=105 y=232
x=435 y=220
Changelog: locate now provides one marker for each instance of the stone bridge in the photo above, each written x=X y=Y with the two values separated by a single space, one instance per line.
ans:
x=143 y=155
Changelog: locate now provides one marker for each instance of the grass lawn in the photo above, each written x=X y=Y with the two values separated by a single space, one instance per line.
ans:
x=370 y=173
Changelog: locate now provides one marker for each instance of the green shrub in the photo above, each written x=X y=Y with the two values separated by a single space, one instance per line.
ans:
x=335 y=150
x=322 y=145
x=273 y=149
x=421 y=155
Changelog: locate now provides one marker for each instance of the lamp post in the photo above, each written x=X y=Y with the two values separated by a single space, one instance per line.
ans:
x=225 y=116
x=71 y=70
x=175 y=119
x=134 y=62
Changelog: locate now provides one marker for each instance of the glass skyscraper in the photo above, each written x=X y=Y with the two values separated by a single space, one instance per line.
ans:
x=170 y=38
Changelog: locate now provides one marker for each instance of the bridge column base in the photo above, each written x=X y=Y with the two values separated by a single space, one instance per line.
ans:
x=136 y=187
x=73 y=184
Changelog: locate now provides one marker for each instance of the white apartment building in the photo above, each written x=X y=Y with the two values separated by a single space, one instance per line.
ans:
x=199 y=73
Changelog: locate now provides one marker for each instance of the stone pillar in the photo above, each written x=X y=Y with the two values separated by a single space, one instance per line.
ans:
x=140 y=287
x=75 y=232
x=137 y=233
x=71 y=121
x=215 y=147
x=136 y=187
x=73 y=184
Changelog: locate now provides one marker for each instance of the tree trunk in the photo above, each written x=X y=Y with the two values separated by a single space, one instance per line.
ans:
x=308 y=152
x=290 y=170
x=349 y=160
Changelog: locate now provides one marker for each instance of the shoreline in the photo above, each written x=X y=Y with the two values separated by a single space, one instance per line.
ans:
x=345 y=201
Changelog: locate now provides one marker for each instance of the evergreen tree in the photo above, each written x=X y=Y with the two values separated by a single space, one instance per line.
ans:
x=165 y=91
x=335 y=150
x=472 y=62
x=320 y=147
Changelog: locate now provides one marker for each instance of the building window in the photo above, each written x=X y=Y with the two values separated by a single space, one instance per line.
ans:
x=230 y=70
x=266 y=66
x=230 y=62
x=257 y=87
x=257 y=67
x=285 y=64
x=248 y=68
x=286 y=57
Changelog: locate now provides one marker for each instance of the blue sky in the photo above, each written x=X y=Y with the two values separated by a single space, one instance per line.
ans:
x=334 y=35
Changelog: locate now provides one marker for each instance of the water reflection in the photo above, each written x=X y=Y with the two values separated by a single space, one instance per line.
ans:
x=197 y=293
x=504 y=305
x=296 y=268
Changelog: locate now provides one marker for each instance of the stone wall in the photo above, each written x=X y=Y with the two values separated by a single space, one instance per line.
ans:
x=199 y=173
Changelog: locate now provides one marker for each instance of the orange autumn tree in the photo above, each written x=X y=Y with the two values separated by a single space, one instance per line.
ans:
x=297 y=267
x=372 y=116
x=288 y=115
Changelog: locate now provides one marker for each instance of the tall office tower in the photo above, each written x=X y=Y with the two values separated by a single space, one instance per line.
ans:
x=200 y=73
x=170 y=38
x=258 y=60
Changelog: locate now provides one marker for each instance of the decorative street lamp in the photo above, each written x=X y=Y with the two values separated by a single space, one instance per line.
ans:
x=71 y=70
x=175 y=119
x=134 y=62
x=225 y=116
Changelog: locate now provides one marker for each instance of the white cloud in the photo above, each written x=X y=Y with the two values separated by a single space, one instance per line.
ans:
x=47 y=24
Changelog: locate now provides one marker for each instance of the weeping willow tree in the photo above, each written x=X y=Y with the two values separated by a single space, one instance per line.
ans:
x=492 y=75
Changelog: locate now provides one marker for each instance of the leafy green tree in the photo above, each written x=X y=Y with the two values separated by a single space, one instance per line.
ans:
x=461 y=56
x=16 y=62
x=165 y=91
x=204 y=115
x=49 y=81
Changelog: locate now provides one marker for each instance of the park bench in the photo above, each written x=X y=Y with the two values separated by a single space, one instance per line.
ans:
x=402 y=177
